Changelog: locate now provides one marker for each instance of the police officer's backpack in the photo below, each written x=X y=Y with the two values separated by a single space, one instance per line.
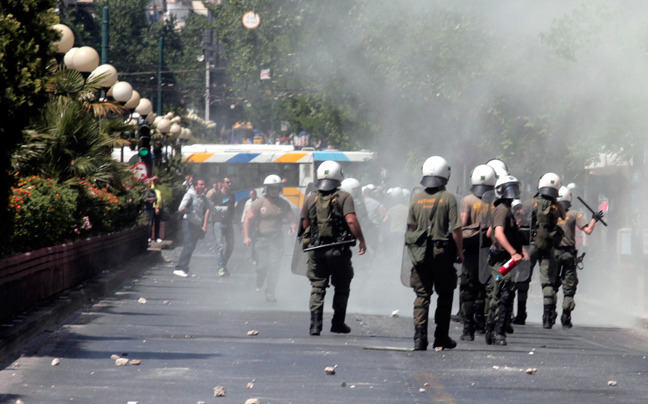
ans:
x=548 y=233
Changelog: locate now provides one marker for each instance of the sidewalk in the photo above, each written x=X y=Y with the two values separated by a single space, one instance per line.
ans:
x=28 y=325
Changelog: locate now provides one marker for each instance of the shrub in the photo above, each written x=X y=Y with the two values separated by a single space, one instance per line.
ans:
x=43 y=214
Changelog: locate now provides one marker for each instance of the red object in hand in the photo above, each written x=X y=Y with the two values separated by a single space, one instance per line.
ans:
x=508 y=267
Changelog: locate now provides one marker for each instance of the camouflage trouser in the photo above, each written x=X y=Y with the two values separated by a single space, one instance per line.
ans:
x=566 y=261
x=548 y=273
x=437 y=272
x=472 y=292
x=334 y=265
x=500 y=292
x=269 y=250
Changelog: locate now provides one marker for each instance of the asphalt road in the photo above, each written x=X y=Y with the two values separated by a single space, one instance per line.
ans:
x=191 y=335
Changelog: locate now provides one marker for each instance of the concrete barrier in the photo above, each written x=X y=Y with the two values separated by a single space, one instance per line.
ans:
x=27 y=279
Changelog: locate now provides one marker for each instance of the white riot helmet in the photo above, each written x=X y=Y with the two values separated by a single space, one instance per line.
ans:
x=352 y=186
x=406 y=193
x=482 y=179
x=549 y=185
x=396 y=192
x=499 y=166
x=329 y=176
x=564 y=197
x=436 y=172
x=272 y=180
x=507 y=187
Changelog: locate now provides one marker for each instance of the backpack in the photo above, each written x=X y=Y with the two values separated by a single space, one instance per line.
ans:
x=548 y=233
x=327 y=224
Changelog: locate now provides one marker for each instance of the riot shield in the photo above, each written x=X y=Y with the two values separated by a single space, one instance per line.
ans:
x=299 y=263
x=484 y=241
x=523 y=217
x=406 y=262
x=523 y=213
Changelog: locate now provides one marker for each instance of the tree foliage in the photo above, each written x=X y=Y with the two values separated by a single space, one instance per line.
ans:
x=25 y=52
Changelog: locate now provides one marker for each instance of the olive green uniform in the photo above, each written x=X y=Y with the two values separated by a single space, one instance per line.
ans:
x=437 y=271
x=566 y=255
x=501 y=289
x=471 y=291
x=332 y=264
x=269 y=215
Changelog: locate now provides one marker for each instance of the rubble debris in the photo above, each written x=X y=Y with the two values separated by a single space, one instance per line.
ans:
x=250 y=386
x=421 y=390
x=114 y=357
x=426 y=384
x=439 y=348
x=166 y=302
x=531 y=371
x=141 y=300
x=135 y=362
x=395 y=313
x=56 y=361
x=121 y=362
x=496 y=367
x=201 y=402
x=343 y=384
x=252 y=401
x=253 y=332
x=330 y=370
x=219 y=391
x=20 y=402
x=612 y=383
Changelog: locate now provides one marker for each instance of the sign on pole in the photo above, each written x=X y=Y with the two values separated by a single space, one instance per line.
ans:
x=251 y=20
x=265 y=74
x=465 y=155
x=140 y=171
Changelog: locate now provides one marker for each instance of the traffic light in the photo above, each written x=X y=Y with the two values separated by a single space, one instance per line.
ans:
x=144 y=134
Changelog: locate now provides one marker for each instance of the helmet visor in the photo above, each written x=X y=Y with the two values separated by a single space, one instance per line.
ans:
x=433 y=181
x=480 y=190
x=510 y=191
x=327 y=184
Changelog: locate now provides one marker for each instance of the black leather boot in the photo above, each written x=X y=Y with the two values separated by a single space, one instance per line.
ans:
x=499 y=337
x=468 y=330
x=316 y=322
x=520 y=317
x=547 y=316
x=565 y=319
x=488 y=335
x=480 y=323
x=420 y=338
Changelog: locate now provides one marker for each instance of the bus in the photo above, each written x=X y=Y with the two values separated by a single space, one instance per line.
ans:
x=247 y=165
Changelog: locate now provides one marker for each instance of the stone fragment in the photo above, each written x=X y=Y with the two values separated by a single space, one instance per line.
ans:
x=496 y=367
x=253 y=332
x=250 y=386
x=166 y=302
x=612 y=383
x=395 y=313
x=20 y=402
x=439 y=348
x=56 y=361
x=426 y=384
x=421 y=390
x=343 y=384
x=141 y=300
x=121 y=362
x=252 y=401
x=329 y=370
x=114 y=357
x=219 y=391
x=135 y=362
x=531 y=371
x=201 y=402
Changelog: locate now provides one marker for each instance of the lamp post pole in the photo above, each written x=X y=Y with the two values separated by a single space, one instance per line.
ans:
x=105 y=39
x=160 y=61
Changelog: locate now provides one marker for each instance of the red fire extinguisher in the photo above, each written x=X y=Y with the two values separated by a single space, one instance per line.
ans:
x=507 y=267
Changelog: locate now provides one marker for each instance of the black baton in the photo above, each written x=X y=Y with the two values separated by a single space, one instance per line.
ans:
x=590 y=209
x=329 y=245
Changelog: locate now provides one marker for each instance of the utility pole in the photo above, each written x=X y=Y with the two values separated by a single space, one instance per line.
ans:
x=105 y=39
x=208 y=54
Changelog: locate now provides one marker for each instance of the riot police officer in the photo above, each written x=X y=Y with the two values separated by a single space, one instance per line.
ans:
x=471 y=290
x=566 y=254
x=507 y=244
x=434 y=243
x=329 y=224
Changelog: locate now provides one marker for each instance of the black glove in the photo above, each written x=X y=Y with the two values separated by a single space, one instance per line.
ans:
x=597 y=216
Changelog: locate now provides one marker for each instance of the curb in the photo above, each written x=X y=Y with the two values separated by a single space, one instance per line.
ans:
x=28 y=325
